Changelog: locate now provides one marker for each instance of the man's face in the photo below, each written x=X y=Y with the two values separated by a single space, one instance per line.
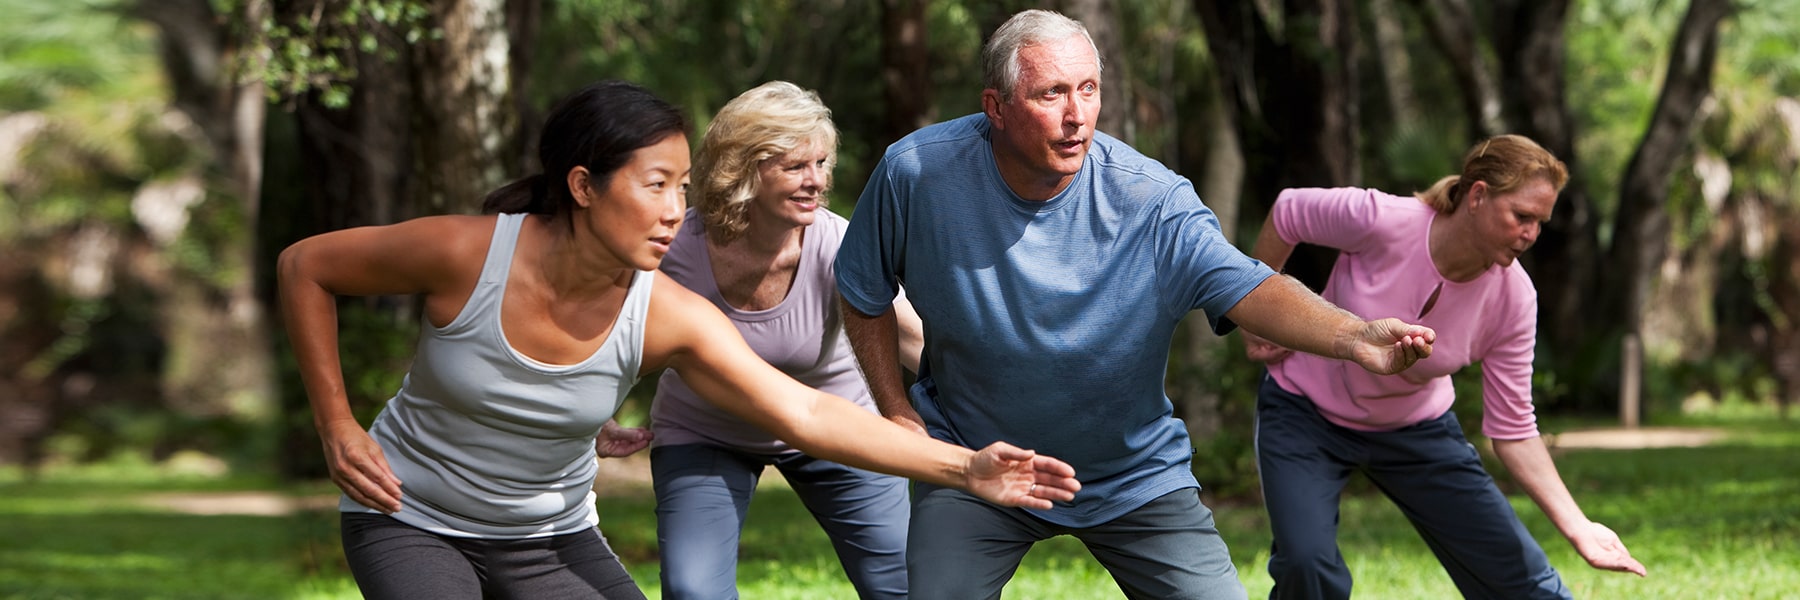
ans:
x=1043 y=131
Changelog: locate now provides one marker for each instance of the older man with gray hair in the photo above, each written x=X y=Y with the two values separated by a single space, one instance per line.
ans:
x=1051 y=265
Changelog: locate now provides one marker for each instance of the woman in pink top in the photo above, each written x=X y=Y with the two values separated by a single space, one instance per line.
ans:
x=1445 y=260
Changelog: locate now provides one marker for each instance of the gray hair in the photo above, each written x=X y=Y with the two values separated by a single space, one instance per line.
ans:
x=1000 y=57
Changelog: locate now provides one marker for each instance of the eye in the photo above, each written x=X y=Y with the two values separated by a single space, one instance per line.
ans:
x=820 y=163
x=1089 y=88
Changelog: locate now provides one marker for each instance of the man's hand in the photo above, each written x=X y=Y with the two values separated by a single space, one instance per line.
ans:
x=1602 y=549
x=1389 y=346
x=617 y=441
x=1009 y=476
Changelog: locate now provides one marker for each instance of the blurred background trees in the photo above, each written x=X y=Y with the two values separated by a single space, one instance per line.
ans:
x=156 y=154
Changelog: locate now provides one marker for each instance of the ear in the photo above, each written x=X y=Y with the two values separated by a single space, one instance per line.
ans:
x=1478 y=193
x=579 y=187
x=990 y=104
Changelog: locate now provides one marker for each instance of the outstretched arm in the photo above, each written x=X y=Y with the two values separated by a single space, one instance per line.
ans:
x=1530 y=463
x=688 y=334
x=876 y=339
x=1282 y=314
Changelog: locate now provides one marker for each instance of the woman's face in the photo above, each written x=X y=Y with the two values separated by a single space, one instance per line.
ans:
x=637 y=214
x=790 y=187
x=1506 y=225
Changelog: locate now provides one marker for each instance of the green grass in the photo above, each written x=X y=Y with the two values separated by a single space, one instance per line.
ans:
x=1714 y=522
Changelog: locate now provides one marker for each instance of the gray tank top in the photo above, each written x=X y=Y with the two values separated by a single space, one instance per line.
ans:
x=490 y=443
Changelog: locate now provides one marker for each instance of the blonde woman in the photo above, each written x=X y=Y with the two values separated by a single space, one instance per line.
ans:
x=760 y=245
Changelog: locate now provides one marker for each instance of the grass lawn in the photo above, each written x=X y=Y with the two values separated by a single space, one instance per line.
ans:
x=1720 y=521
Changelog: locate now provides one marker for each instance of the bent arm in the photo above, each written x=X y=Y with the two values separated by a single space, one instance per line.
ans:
x=1281 y=314
x=876 y=341
x=397 y=259
x=1530 y=463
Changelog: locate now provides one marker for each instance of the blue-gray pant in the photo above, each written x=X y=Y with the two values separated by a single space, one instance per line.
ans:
x=392 y=560
x=962 y=547
x=703 y=493
x=1429 y=470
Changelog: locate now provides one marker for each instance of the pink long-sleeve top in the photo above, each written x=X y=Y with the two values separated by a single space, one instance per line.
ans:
x=1385 y=270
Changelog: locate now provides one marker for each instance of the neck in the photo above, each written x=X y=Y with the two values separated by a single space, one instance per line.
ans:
x=1023 y=182
x=577 y=269
x=763 y=241
x=1450 y=253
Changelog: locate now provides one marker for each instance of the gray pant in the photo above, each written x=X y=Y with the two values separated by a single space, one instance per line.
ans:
x=393 y=560
x=962 y=547
x=703 y=493
x=1430 y=470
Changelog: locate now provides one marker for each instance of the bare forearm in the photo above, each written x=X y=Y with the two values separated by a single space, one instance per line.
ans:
x=1530 y=463
x=875 y=341
x=837 y=430
x=309 y=313
x=1284 y=311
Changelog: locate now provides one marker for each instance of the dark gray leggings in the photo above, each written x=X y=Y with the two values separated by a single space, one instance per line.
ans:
x=391 y=559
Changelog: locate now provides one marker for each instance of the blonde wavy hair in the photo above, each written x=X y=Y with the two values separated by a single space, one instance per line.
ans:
x=770 y=120
x=1504 y=162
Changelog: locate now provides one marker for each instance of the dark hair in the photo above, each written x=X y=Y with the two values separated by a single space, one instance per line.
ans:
x=598 y=127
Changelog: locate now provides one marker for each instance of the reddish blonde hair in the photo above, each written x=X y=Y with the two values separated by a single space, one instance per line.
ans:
x=1504 y=162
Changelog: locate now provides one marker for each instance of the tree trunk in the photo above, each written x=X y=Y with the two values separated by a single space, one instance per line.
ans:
x=1395 y=63
x=1641 y=228
x=1116 y=89
x=1452 y=27
x=1294 y=102
x=463 y=106
x=905 y=70
x=219 y=361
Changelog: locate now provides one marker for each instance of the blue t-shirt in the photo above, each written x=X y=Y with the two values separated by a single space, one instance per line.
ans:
x=1047 y=324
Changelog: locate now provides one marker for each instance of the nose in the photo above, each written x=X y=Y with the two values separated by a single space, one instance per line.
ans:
x=813 y=177
x=1531 y=232
x=1075 y=110
x=674 y=207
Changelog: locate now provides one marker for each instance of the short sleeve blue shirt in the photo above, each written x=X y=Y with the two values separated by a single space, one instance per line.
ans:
x=1047 y=324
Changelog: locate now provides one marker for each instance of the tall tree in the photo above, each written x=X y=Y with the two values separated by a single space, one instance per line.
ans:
x=1291 y=90
x=216 y=366
x=1641 y=230
x=905 y=69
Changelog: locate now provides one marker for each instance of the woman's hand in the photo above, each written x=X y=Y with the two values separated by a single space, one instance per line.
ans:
x=1009 y=476
x=617 y=441
x=1262 y=350
x=1602 y=549
x=358 y=467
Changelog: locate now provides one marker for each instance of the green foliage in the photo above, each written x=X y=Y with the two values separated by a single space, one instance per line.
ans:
x=320 y=49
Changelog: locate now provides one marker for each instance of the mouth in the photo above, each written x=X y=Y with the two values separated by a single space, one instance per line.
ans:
x=1070 y=146
x=806 y=201
x=661 y=243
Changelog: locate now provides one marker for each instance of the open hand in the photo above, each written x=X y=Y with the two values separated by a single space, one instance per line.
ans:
x=1602 y=549
x=1389 y=346
x=358 y=467
x=616 y=440
x=1009 y=476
